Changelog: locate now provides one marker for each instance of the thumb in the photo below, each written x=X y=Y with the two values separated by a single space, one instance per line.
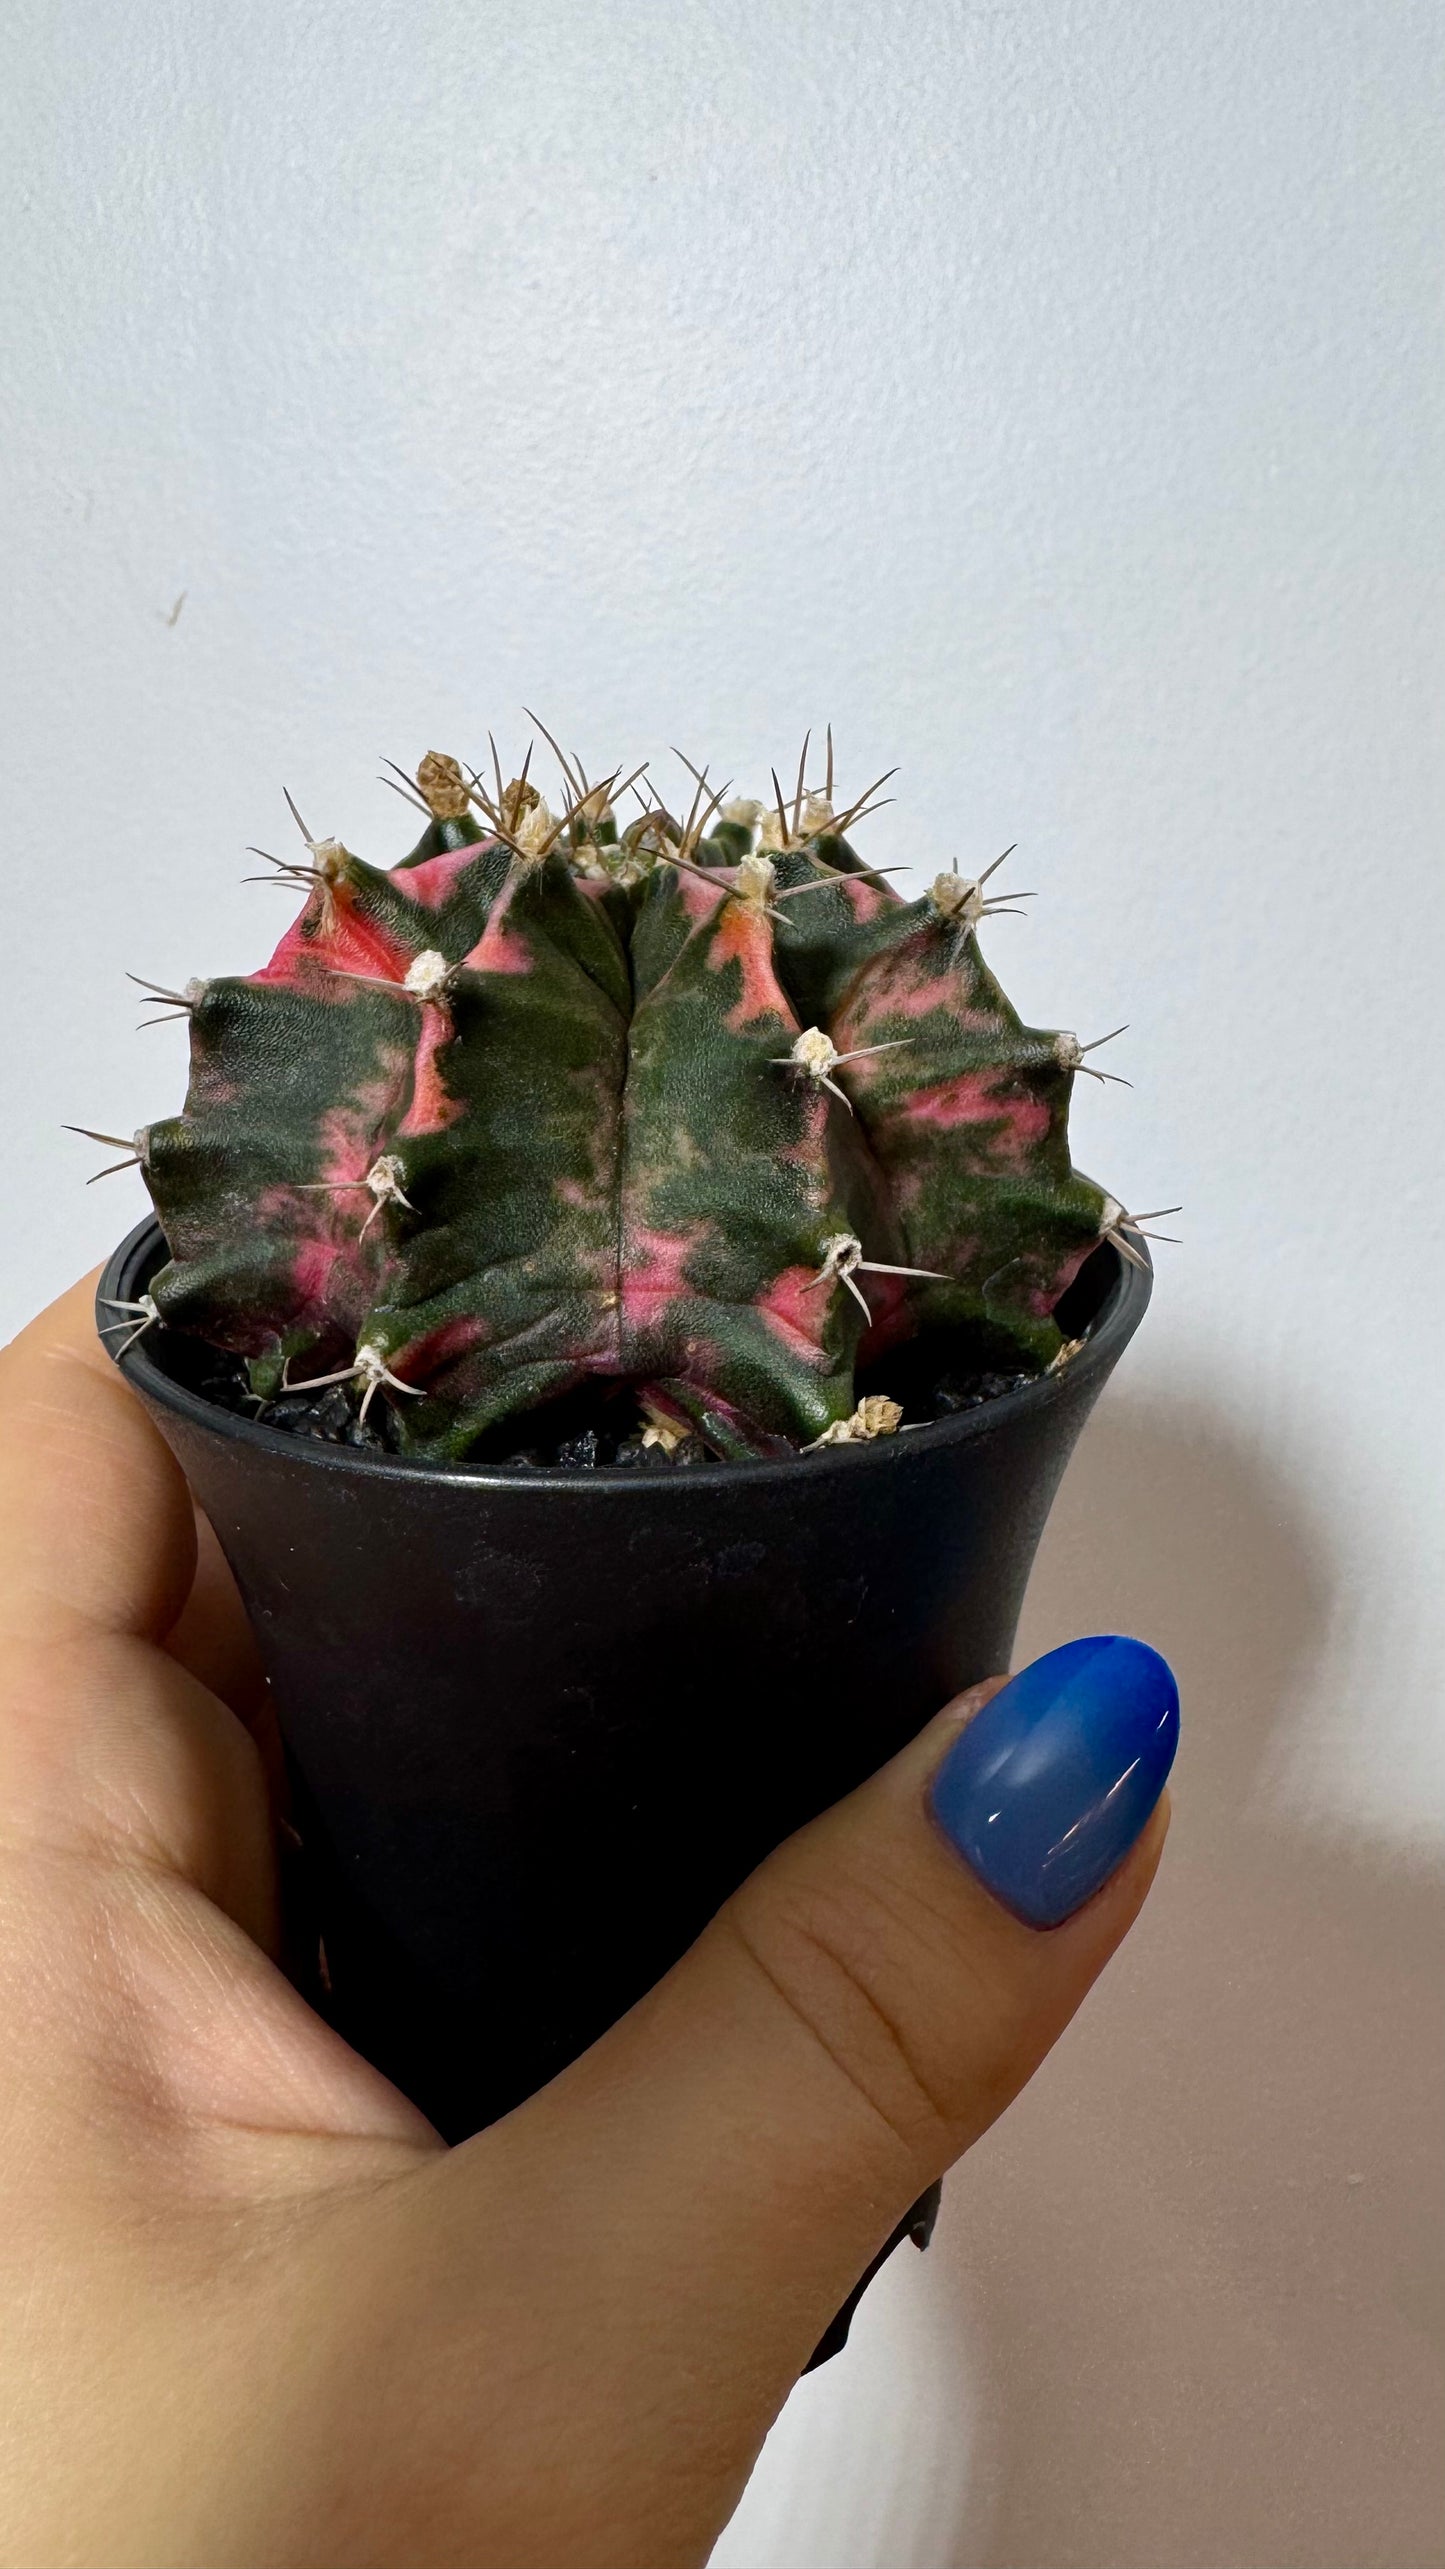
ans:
x=744 y=2141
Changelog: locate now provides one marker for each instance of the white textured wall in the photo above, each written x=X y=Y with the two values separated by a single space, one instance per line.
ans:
x=1051 y=397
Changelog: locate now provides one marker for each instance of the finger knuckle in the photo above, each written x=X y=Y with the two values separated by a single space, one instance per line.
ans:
x=874 y=1976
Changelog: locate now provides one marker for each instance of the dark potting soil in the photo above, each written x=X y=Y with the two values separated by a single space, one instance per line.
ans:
x=599 y=1427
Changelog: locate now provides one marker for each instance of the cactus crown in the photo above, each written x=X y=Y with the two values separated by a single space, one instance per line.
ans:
x=698 y=1103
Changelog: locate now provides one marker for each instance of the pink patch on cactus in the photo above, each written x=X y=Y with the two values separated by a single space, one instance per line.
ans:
x=499 y=948
x=431 y=883
x=906 y=984
x=744 y=937
x=979 y=1097
x=312 y=1269
x=432 y=1107
x=701 y=900
x=795 y=1308
x=866 y=899
x=352 y=944
x=653 y=1271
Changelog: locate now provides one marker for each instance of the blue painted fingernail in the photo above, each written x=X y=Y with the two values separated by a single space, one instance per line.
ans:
x=1049 y=1786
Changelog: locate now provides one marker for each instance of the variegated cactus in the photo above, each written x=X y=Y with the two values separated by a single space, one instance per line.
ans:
x=697 y=1104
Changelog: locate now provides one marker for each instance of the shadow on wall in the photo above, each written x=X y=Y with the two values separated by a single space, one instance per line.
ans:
x=1191 y=2265
x=1179 y=2312
x=1166 y=1526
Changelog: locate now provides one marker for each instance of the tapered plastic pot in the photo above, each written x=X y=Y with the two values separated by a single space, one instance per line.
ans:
x=541 y=1723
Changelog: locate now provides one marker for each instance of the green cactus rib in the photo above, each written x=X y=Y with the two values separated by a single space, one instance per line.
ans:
x=545 y=1102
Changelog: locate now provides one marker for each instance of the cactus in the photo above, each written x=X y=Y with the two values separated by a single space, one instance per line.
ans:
x=701 y=1105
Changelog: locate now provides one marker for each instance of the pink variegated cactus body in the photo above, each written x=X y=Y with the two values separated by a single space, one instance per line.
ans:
x=710 y=1112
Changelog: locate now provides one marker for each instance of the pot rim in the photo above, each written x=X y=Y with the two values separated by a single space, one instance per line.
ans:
x=1123 y=1307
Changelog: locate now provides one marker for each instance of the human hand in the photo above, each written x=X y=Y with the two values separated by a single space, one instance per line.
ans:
x=257 y=2316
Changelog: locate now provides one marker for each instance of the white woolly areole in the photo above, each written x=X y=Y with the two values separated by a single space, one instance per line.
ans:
x=743 y=812
x=384 y=1178
x=756 y=880
x=1068 y=1051
x=330 y=858
x=779 y=833
x=841 y=1254
x=1113 y=1212
x=533 y=829
x=427 y=977
x=194 y=993
x=814 y=1052
x=955 y=897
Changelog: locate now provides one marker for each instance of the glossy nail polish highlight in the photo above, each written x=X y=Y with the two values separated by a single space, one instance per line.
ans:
x=1050 y=1785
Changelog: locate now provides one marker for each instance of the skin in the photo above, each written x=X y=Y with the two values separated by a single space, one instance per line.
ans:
x=254 y=2311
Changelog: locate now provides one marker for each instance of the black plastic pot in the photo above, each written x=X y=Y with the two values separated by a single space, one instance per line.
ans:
x=541 y=1723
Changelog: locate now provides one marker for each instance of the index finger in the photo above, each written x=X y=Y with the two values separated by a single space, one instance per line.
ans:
x=96 y=1527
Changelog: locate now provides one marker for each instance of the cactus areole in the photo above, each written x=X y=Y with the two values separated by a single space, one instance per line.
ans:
x=698 y=1105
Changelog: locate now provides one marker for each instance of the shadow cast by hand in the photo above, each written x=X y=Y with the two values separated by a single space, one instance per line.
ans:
x=1195 y=2250
x=1178 y=2311
x=1168 y=1527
